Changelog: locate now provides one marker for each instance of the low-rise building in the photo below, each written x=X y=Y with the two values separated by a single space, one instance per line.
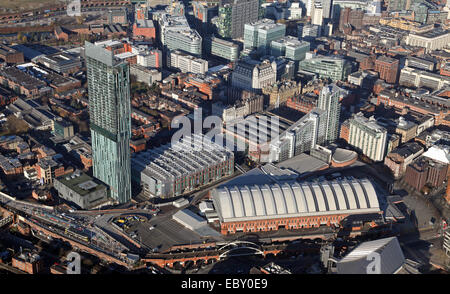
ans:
x=36 y=115
x=365 y=79
x=422 y=63
x=416 y=78
x=240 y=109
x=426 y=171
x=63 y=128
x=279 y=93
x=10 y=55
x=81 y=189
x=10 y=167
x=254 y=76
x=406 y=129
x=175 y=34
x=431 y=40
x=29 y=262
x=398 y=159
x=223 y=48
x=48 y=169
x=333 y=67
x=150 y=58
x=304 y=103
x=61 y=62
x=22 y=83
x=294 y=205
x=290 y=48
x=172 y=170
x=387 y=67
x=80 y=150
x=145 y=75
x=144 y=28
x=187 y=63
x=446 y=243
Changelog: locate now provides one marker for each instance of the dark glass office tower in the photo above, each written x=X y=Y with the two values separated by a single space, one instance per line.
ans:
x=110 y=119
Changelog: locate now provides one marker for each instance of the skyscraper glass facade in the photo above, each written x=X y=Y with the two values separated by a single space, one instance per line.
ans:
x=110 y=120
x=329 y=101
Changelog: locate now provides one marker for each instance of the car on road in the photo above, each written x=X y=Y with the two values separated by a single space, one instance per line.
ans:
x=151 y=228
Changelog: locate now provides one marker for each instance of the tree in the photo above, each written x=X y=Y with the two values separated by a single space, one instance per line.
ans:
x=16 y=125
x=80 y=19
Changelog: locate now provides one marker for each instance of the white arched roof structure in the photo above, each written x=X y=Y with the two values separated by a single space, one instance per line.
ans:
x=257 y=202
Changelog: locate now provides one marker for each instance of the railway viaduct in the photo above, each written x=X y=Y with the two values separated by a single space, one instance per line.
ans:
x=73 y=243
x=84 y=4
x=235 y=248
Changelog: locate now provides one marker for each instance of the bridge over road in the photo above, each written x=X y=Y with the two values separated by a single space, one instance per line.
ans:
x=234 y=248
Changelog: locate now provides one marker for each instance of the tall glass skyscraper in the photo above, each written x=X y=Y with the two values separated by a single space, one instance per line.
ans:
x=110 y=119
x=329 y=100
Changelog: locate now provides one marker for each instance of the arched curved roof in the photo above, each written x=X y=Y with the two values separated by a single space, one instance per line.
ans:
x=242 y=203
x=343 y=155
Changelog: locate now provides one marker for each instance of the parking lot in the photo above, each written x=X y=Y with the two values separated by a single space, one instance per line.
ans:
x=165 y=233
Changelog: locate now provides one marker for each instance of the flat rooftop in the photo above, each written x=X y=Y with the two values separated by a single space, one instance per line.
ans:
x=81 y=183
x=22 y=78
x=433 y=33
x=303 y=163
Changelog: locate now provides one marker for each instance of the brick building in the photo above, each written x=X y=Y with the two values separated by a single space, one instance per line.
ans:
x=28 y=262
x=10 y=55
x=398 y=159
x=294 y=205
x=345 y=131
x=48 y=169
x=303 y=103
x=387 y=67
x=425 y=171
x=427 y=105
x=144 y=28
x=279 y=93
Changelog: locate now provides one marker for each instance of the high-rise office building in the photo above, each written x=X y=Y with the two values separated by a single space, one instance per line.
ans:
x=317 y=14
x=308 y=4
x=233 y=15
x=333 y=67
x=223 y=21
x=327 y=7
x=301 y=137
x=308 y=32
x=329 y=101
x=290 y=47
x=222 y=48
x=176 y=34
x=260 y=34
x=110 y=119
x=203 y=12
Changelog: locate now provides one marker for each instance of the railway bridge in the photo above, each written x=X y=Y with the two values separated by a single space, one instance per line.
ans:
x=231 y=249
x=75 y=244
x=63 y=7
